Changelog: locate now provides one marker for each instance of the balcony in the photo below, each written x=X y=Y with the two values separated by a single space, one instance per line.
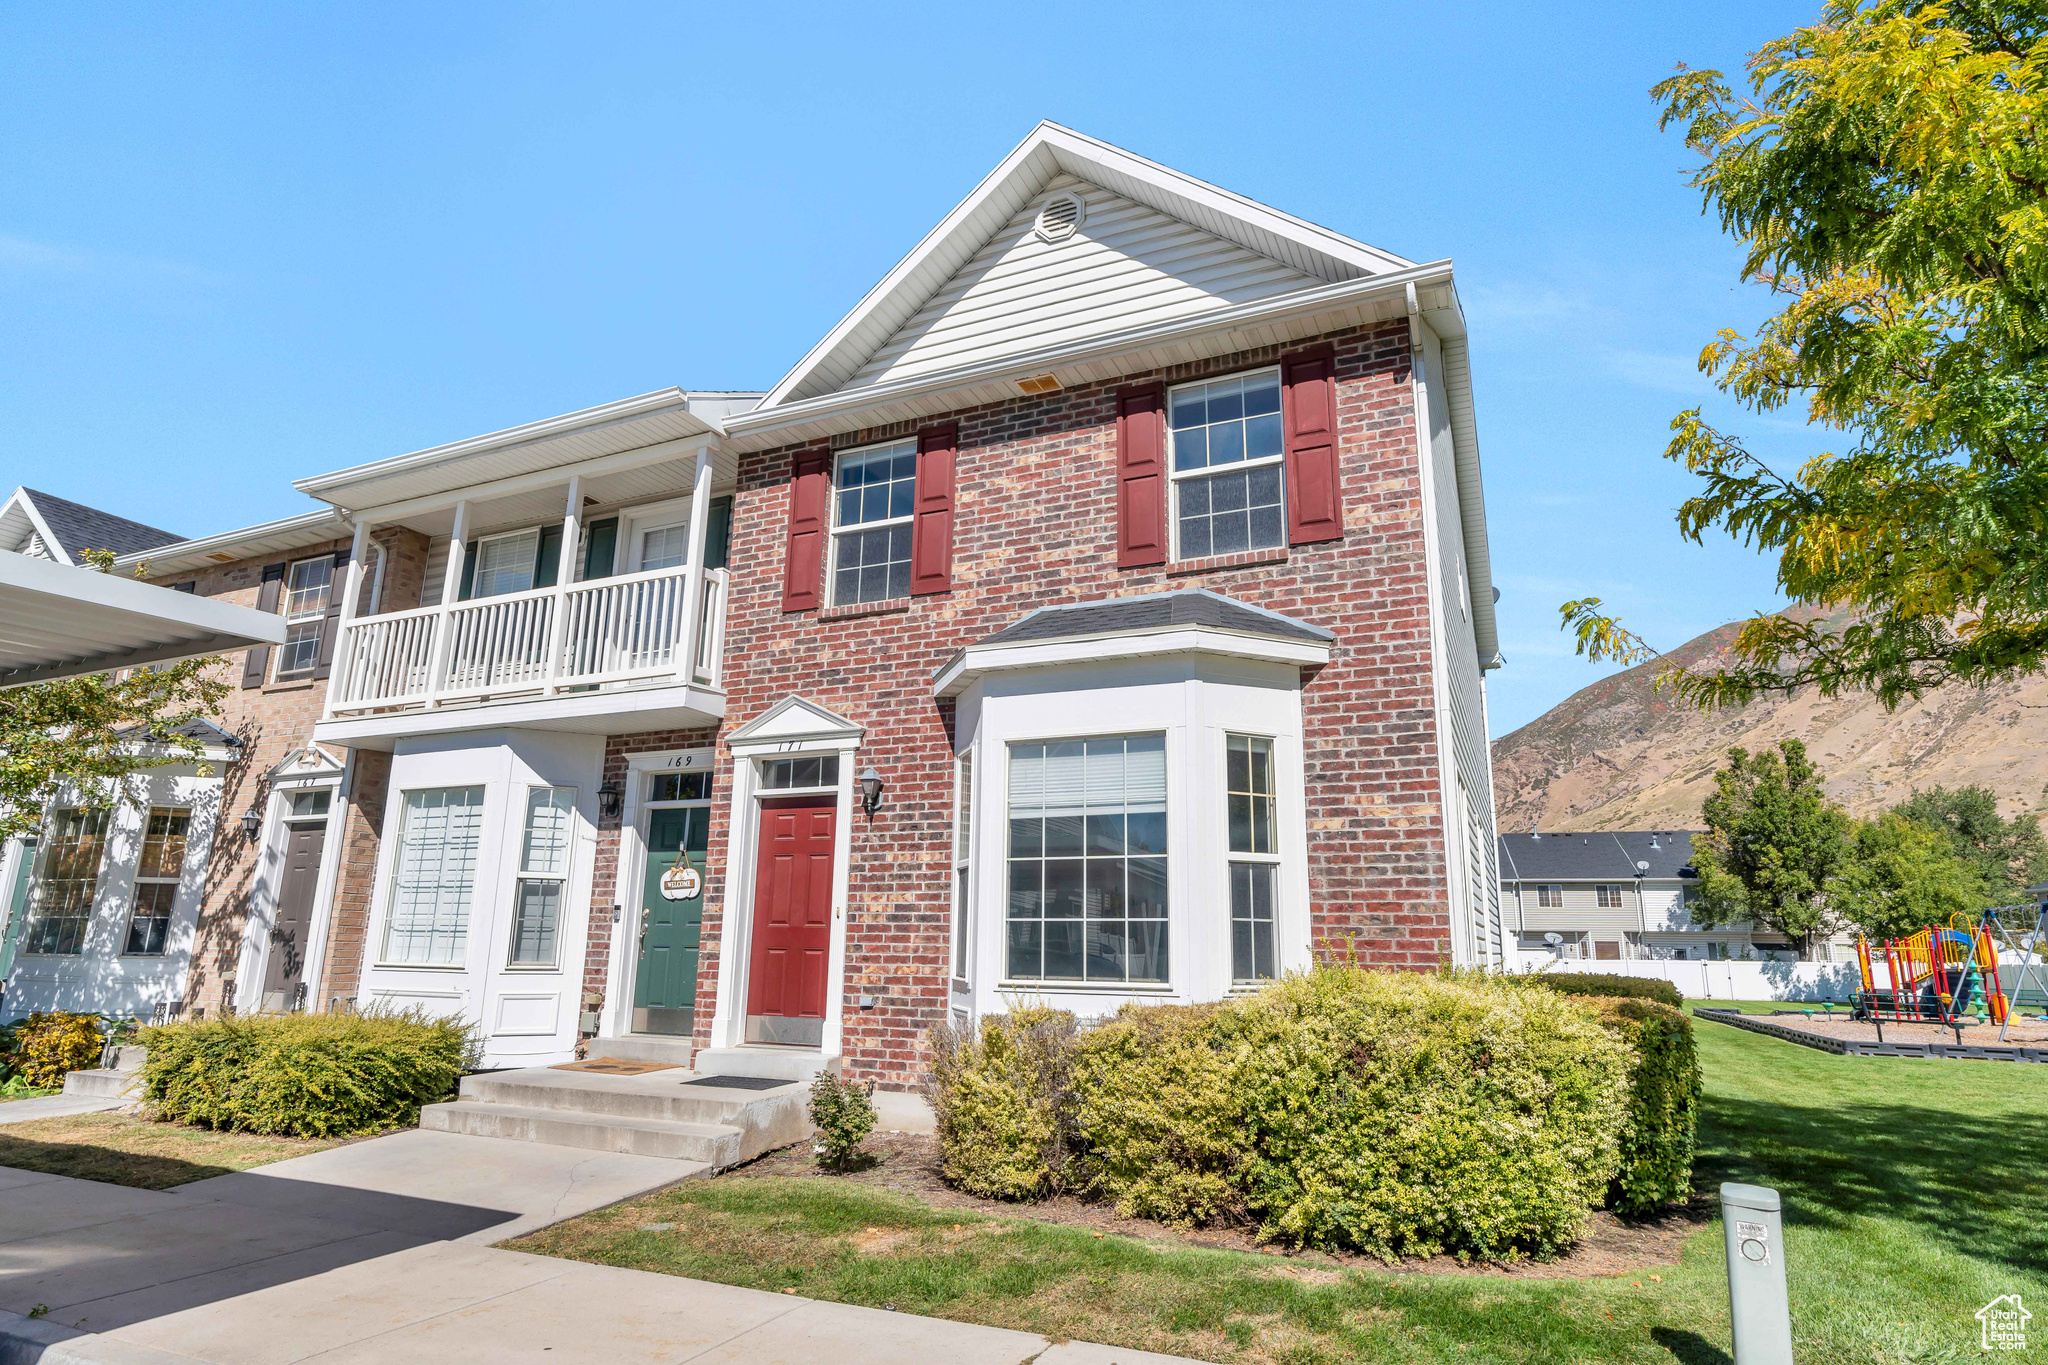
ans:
x=577 y=657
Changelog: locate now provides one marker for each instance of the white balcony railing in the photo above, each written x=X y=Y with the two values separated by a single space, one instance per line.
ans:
x=607 y=631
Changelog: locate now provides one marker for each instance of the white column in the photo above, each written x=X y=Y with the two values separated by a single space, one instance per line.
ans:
x=351 y=592
x=558 y=605
x=451 y=584
x=451 y=578
x=693 y=576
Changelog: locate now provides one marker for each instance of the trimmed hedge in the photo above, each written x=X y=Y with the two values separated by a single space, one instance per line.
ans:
x=1391 y=1112
x=1660 y=1140
x=46 y=1047
x=1612 y=987
x=305 y=1075
x=1002 y=1099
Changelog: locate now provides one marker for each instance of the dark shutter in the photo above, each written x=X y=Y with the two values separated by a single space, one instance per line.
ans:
x=600 y=544
x=256 y=665
x=547 y=560
x=330 y=624
x=190 y=585
x=1308 y=400
x=718 y=540
x=1141 y=477
x=931 y=519
x=803 y=564
x=468 y=584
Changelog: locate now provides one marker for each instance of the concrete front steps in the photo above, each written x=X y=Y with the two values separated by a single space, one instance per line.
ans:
x=653 y=1114
x=117 y=1082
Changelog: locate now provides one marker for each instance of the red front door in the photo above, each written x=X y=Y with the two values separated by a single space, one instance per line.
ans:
x=792 y=922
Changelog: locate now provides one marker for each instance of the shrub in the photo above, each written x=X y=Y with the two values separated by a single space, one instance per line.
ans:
x=1596 y=983
x=1404 y=1114
x=1156 y=1104
x=844 y=1112
x=1001 y=1095
x=1659 y=1141
x=46 y=1047
x=306 y=1075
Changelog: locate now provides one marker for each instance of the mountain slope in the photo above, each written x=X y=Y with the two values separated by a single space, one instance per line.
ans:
x=1619 y=755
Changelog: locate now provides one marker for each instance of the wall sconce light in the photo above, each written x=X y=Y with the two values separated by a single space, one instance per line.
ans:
x=608 y=799
x=252 y=824
x=870 y=792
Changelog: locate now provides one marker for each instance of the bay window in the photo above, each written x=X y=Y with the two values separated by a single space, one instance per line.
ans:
x=544 y=848
x=1254 y=855
x=156 y=879
x=70 y=880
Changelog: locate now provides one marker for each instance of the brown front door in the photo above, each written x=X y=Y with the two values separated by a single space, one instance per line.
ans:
x=792 y=922
x=284 y=978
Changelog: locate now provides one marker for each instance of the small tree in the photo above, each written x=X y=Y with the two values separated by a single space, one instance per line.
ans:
x=2005 y=856
x=1902 y=879
x=1772 y=845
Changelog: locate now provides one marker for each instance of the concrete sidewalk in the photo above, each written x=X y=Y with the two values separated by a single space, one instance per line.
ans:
x=54 y=1107
x=379 y=1251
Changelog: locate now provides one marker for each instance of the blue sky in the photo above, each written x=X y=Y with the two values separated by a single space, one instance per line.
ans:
x=242 y=245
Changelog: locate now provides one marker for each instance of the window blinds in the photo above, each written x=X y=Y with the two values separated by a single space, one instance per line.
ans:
x=435 y=875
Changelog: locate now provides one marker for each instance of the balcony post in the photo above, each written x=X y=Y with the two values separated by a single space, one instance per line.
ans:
x=693 y=566
x=565 y=573
x=351 y=592
x=451 y=585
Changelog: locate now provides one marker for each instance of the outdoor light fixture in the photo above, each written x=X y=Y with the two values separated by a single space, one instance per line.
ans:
x=870 y=792
x=252 y=823
x=608 y=797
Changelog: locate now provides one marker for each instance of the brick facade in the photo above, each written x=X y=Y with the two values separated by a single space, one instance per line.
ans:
x=1035 y=526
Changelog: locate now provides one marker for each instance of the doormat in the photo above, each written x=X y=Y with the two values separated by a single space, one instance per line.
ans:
x=614 y=1066
x=742 y=1082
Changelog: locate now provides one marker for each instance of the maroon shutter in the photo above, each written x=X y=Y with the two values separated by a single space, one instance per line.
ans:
x=256 y=665
x=1308 y=400
x=330 y=624
x=810 y=482
x=1141 y=477
x=931 y=525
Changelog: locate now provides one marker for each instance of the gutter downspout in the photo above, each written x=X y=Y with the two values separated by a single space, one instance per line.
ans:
x=1471 y=497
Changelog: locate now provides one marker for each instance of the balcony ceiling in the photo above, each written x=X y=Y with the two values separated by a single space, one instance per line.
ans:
x=57 y=621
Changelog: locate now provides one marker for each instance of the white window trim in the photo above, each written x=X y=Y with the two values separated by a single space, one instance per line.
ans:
x=291 y=618
x=477 y=571
x=960 y=941
x=1273 y=859
x=616 y=1017
x=254 y=961
x=565 y=881
x=836 y=530
x=634 y=524
x=138 y=881
x=1174 y=475
x=383 y=960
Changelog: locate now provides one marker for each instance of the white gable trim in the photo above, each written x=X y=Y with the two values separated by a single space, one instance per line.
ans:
x=26 y=505
x=795 y=721
x=978 y=661
x=1047 y=151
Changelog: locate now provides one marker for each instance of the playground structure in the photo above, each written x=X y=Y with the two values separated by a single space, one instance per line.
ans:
x=1936 y=974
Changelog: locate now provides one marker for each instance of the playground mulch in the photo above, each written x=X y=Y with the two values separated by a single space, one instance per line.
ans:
x=2023 y=1033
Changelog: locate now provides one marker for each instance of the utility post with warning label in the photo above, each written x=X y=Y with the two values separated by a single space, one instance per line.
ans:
x=1757 y=1304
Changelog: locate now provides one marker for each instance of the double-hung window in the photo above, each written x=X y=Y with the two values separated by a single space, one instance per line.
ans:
x=71 y=878
x=1550 y=897
x=1254 y=856
x=1087 y=864
x=308 y=585
x=433 y=876
x=1609 y=897
x=156 y=878
x=1227 y=476
x=872 y=495
x=963 y=860
x=506 y=563
x=543 y=875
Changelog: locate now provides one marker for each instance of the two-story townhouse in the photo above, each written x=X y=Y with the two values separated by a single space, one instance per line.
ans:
x=1098 y=613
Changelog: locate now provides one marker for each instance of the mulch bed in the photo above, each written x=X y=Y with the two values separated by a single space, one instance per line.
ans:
x=909 y=1163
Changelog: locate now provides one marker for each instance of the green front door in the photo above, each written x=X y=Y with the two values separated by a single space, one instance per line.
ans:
x=665 y=983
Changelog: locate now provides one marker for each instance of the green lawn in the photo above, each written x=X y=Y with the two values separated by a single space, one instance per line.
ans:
x=123 y=1150
x=1915 y=1193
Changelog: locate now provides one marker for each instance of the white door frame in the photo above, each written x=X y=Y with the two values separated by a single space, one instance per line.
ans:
x=306 y=770
x=792 y=728
x=623 y=959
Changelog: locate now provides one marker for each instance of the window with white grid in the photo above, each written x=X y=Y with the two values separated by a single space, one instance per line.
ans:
x=69 y=883
x=308 y=585
x=1254 y=855
x=433 y=876
x=1609 y=897
x=156 y=879
x=544 y=848
x=872 y=493
x=1228 y=484
x=963 y=859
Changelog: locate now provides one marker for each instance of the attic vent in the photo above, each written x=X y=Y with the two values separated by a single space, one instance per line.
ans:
x=1058 y=219
x=1040 y=383
x=219 y=558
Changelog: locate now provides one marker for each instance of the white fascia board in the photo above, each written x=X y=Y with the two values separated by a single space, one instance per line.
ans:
x=554 y=477
x=43 y=531
x=773 y=730
x=670 y=707
x=308 y=528
x=977 y=661
x=1046 y=150
x=670 y=400
x=850 y=402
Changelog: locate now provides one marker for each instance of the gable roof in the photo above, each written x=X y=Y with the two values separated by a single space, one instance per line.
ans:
x=1597 y=855
x=1314 y=255
x=68 y=529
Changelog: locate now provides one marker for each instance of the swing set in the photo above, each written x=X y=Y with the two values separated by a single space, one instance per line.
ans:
x=1937 y=973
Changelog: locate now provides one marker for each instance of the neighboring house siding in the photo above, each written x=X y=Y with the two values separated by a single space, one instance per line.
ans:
x=1035 y=525
x=1125 y=266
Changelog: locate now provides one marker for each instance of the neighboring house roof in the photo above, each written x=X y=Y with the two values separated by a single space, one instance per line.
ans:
x=1153 y=611
x=65 y=530
x=1596 y=855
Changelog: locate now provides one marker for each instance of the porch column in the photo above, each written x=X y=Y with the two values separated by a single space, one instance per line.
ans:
x=565 y=574
x=451 y=586
x=338 y=649
x=693 y=563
